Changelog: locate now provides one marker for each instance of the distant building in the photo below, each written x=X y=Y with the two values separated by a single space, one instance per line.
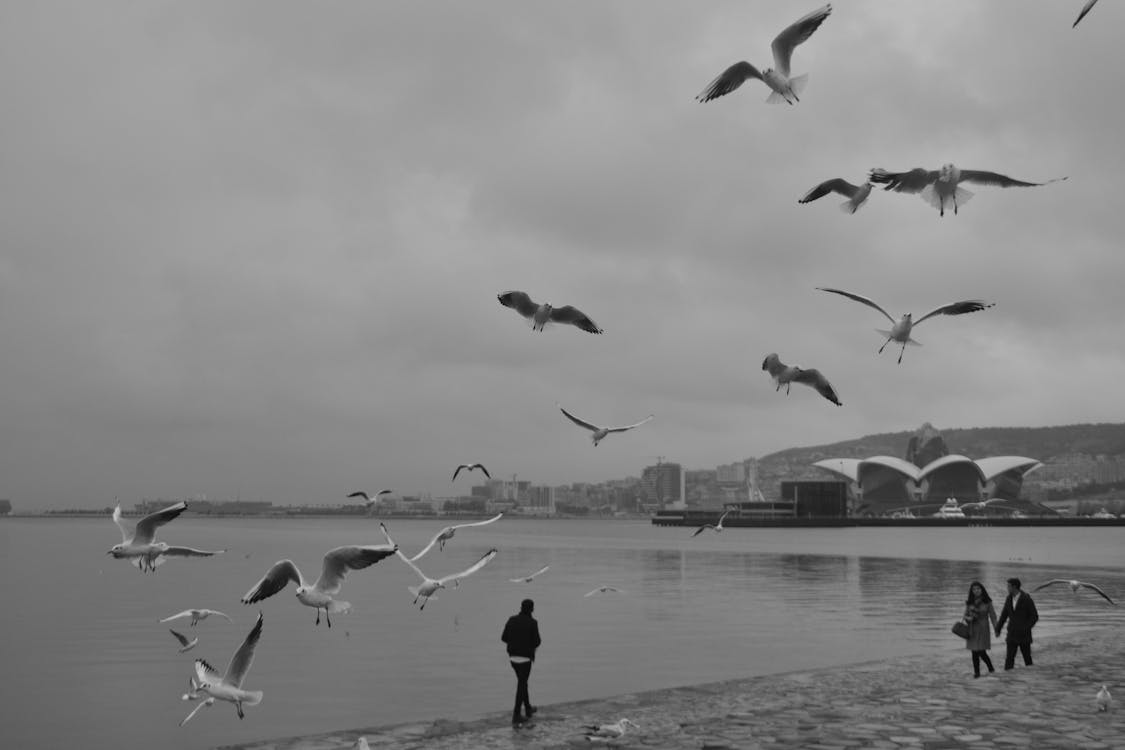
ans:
x=538 y=500
x=664 y=483
x=5 y=507
x=812 y=499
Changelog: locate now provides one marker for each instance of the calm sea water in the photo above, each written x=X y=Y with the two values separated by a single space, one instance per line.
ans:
x=89 y=666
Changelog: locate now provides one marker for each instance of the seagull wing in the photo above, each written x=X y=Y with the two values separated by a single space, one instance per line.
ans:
x=723 y=517
x=728 y=81
x=458 y=471
x=1085 y=9
x=185 y=613
x=244 y=656
x=998 y=180
x=204 y=672
x=518 y=301
x=530 y=577
x=814 y=378
x=478 y=523
x=835 y=185
x=577 y=421
x=220 y=614
x=485 y=559
x=183 y=639
x=147 y=526
x=797 y=33
x=859 y=298
x=699 y=531
x=630 y=426
x=362 y=494
x=481 y=467
x=431 y=544
x=191 y=552
x=125 y=533
x=957 y=308
x=1051 y=582
x=575 y=317
x=277 y=578
x=195 y=710
x=1103 y=594
x=339 y=561
x=914 y=181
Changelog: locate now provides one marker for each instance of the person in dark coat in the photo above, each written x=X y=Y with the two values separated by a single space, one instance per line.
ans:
x=1021 y=615
x=521 y=634
x=978 y=613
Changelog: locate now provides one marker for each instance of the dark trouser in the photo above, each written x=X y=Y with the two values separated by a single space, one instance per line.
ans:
x=523 y=672
x=978 y=657
x=1010 y=656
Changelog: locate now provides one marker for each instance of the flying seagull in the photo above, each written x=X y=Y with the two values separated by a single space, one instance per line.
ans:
x=337 y=563
x=227 y=687
x=1085 y=9
x=786 y=375
x=186 y=644
x=541 y=315
x=530 y=578
x=140 y=546
x=901 y=328
x=368 y=500
x=469 y=467
x=604 y=590
x=196 y=615
x=713 y=526
x=856 y=194
x=941 y=187
x=1103 y=699
x=429 y=586
x=777 y=78
x=447 y=533
x=599 y=433
x=1074 y=586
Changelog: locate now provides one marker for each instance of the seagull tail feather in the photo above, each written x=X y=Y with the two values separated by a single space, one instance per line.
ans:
x=253 y=697
x=797 y=84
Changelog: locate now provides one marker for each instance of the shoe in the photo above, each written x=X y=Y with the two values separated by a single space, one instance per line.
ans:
x=976 y=676
x=518 y=721
x=531 y=711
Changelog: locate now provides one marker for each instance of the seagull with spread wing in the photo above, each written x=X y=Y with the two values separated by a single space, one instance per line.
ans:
x=337 y=563
x=141 y=546
x=447 y=533
x=186 y=644
x=599 y=433
x=1074 y=586
x=716 y=527
x=604 y=590
x=469 y=467
x=541 y=315
x=369 y=501
x=196 y=615
x=429 y=586
x=786 y=375
x=941 y=187
x=856 y=194
x=901 y=328
x=533 y=576
x=784 y=88
x=226 y=687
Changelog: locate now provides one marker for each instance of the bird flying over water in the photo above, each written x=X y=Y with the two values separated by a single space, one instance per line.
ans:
x=1085 y=9
x=783 y=87
x=469 y=467
x=429 y=586
x=368 y=500
x=530 y=578
x=319 y=595
x=1074 y=586
x=599 y=433
x=786 y=375
x=856 y=194
x=713 y=526
x=186 y=644
x=941 y=187
x=541 y=315
x=196 y=615
x=447 y=533
x=228 y=686
x=901 y=328
x=604 y=590
x=141 y=547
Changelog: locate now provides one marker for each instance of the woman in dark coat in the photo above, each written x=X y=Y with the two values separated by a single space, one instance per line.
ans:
x=978 y=613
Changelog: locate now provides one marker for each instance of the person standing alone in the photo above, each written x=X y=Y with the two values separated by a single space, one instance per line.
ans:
x=521 y=634
x=1023 y=615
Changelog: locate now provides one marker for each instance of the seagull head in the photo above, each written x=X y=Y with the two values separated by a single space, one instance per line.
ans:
x=948 y=173
x=117 y=550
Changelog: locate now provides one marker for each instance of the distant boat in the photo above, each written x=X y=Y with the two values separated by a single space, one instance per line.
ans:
x=950 y=509
x=1103 y=513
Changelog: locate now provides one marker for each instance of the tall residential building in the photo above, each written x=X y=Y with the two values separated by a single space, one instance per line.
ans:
x=664 y=484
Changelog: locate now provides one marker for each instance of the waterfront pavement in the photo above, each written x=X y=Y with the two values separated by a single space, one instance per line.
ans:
x=929 y=702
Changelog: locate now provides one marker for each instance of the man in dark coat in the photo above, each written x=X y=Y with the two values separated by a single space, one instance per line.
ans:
x=521 y=633
x=1019 y=607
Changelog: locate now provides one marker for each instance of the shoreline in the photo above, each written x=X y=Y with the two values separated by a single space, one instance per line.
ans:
x=927 y=702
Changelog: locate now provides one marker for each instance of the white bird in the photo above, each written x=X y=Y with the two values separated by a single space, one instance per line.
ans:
x=604 y=590
x=941 y=187
x=602 y=732
x=541 y=315
x=978 y=504
x=784 y=88
x=530 y=578
x=186 y=644
x=1103 y=699
x=469 y=467
x=714 y=526
x=1074 y=586
x=599 y=433
x=369 y=501
x=361 y=744
x=786 y=375
x=337 y=563
x=1085 y=9
x=447 y=533
x=901 y=328
x=196 y=615
x=856 y=194
x=429 y=586
x=140 y=547
x=227 y=687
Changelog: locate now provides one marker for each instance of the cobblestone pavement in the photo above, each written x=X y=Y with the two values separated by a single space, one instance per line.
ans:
x=929 y=702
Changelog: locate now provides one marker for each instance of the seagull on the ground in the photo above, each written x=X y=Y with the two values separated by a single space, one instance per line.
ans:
x=1085 y=9
x=1074 y=586
x=369 y=501
x=1103 y=699
x=541 y=315
x=940 y=187
x=604 y=590
x=227 y=687
x=856 y=194
x=603 y=732
x=186 y=644
x=140 y=547
x=600 y=432
x=786 y=375
x=447 y=533
x=337 y=563
x=469 y=467
x=901 y=328
x=429 y=586
x=784 y=88
x=196 y=615
x=530 y=578
x=713 y=526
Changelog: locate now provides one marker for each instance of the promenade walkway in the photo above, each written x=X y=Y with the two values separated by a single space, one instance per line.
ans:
x=926 y=702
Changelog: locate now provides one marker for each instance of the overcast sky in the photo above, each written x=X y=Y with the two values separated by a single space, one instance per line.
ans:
x=254 y=248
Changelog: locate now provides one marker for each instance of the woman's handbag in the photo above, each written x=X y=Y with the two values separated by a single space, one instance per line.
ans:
x=961 y=629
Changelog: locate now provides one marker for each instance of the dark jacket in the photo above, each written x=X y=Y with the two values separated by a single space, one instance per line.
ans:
x=1023 y=619
x=521 y=633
